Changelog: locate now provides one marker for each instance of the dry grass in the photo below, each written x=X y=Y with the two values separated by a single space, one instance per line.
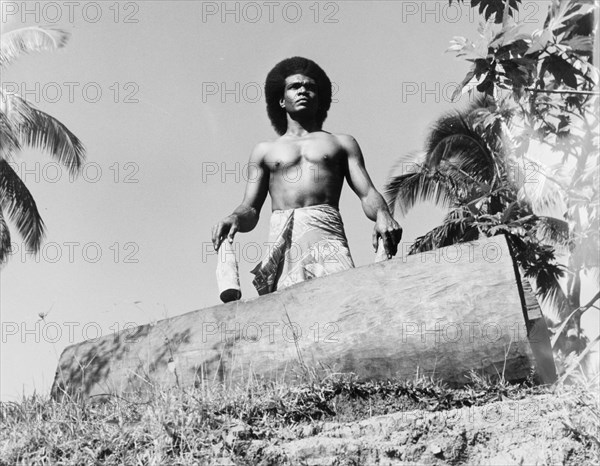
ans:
x=217 y=425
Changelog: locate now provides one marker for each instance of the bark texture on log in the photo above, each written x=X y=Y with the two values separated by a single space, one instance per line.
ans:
x=442 y=313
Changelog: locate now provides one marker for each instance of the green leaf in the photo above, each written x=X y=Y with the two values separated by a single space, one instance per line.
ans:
x=518 y=73
x=510 y=34
x=540 y=39
x=568 y=10
x=458 y=91
x=562 y=70
x=580 y=43
x=512 y=50
x=495 y=8
x=471 y=80
x=466 y=49
x=487 y=85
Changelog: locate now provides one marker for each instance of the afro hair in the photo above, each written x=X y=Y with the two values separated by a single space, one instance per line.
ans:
x=275 y=86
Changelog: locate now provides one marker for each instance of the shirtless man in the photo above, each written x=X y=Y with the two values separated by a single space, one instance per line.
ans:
x=304 y=171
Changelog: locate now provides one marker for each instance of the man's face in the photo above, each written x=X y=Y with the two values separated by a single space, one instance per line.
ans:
x=300 y=94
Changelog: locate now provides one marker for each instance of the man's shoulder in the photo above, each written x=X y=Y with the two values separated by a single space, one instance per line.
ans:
x=262 y=148
x=347 y=141
x=342 y=137
x=265 y=144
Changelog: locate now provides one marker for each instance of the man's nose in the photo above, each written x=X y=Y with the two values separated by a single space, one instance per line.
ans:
x=304 y=88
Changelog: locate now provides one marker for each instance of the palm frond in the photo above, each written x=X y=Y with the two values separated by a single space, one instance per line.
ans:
x=553 y=230
x=469 y=172
x=18 y=204
x=27 y=40
x=545 y=202
x=42 y=131
x=410 y=162
x=406 y=190
x=9 y=140
x=457 y=227
x=5 y=245
x=555 y=303
x=452 y=139
x=545 y=187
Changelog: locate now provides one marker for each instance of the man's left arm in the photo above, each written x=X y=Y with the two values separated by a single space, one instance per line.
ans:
x=373 y=203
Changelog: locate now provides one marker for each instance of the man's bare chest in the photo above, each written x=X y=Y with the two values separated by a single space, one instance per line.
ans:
x=298 y=153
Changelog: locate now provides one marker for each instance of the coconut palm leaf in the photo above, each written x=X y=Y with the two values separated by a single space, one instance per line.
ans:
x=463 y=166
x=27 y=40
x=5 y=246
x=475 y=107
x=553 y=230
x=22 y=124
x=453 y=125
x=40 y=130
x=405 y=191
x=457 y=227
x=457 y=164
x=408 y=163
x=18 y=204
x=553 y=299
x=452 y=139
x=546 y=186
x=9 y=141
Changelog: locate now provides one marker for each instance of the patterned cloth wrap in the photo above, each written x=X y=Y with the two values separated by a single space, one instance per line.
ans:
x=304 y=243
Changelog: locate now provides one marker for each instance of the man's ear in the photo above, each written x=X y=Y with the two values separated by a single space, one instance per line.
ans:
x=282 y=102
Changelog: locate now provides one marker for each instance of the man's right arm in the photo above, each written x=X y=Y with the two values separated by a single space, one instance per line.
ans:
x=245 y=217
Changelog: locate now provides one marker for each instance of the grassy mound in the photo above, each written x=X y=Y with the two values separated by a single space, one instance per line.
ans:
x=335 y=420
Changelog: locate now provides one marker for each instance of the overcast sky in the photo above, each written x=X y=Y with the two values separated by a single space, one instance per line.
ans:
x=167 y=98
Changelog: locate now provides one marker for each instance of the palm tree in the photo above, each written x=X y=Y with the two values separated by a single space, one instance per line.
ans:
x=21 y=124
x=468 y=167
x=462 y=168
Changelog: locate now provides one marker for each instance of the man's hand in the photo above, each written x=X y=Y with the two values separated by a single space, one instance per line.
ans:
x=227 y=227
x=389 y=231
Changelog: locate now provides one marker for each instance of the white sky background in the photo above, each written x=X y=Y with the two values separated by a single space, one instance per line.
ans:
x=154 y=137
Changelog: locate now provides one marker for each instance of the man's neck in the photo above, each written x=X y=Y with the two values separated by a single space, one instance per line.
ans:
x=297 y=128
